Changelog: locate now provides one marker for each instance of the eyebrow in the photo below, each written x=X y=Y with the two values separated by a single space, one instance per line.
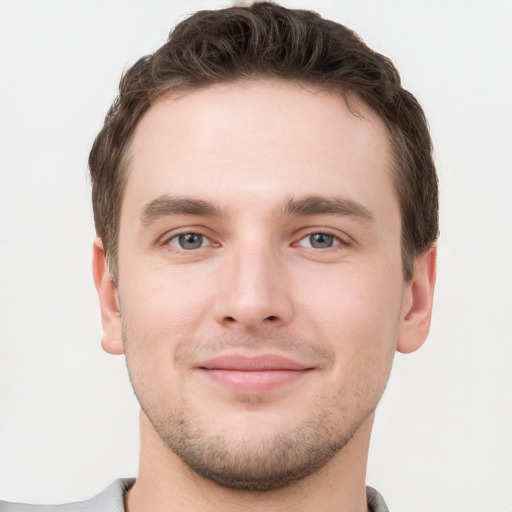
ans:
x=166 y=205
x=320 y=205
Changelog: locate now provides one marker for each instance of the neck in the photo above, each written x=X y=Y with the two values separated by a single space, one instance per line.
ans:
x=166 y=483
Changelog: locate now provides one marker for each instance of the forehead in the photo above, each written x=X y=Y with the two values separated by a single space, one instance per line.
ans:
x=262 y=137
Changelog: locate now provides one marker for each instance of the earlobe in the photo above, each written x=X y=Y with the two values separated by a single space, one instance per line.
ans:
x=112 y=339
x=417 y=303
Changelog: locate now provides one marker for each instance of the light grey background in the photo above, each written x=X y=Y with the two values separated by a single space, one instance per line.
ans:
x=68 y=418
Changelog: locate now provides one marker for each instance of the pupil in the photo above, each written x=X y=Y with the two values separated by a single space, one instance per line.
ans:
x=321 y=240
x=191 y=241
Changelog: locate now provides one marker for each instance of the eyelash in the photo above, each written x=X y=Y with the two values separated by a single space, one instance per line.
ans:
x=334 y=239
x=207 y=242
x=176 y=237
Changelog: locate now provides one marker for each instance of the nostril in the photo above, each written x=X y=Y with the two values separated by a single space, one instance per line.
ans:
x=230 y=320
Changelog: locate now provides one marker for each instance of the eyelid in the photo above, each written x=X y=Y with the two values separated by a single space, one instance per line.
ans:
x=342 y=238
x=196 y=230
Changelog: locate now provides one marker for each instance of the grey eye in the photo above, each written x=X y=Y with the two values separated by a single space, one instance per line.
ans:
x=321 y=240
x=188 y=241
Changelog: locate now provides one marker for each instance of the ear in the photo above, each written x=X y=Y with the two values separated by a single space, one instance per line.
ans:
x=417 y=303
x=112 y=338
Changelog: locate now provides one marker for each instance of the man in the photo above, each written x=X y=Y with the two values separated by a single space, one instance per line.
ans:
x=266 y=208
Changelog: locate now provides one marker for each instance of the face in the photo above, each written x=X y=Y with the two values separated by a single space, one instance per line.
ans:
x=260 y=277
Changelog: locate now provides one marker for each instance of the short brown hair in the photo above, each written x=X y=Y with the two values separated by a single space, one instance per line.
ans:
x=266 y=40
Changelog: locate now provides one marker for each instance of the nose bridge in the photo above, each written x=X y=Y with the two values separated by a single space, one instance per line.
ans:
x=254 y=291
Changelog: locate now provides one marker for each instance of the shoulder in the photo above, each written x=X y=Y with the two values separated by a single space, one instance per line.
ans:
x=111 y=500
x=375 y=501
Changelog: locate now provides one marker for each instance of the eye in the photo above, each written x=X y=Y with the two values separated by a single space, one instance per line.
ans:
x=319 y=241
x=189 y=241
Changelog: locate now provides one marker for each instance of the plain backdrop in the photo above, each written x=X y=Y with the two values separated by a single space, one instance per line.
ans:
x=68 y=418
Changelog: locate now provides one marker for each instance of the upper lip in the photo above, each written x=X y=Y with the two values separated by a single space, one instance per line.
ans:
x=239 y=362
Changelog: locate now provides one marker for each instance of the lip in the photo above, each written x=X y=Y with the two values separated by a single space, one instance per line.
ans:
x=253 y=375
x=239 y=362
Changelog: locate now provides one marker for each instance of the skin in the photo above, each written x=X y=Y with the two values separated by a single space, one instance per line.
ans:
x=258 y=285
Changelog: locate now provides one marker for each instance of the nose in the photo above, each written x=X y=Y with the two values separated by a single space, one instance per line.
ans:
x=253 y=293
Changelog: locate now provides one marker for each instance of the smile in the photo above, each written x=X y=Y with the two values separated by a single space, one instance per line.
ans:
x=241 y=374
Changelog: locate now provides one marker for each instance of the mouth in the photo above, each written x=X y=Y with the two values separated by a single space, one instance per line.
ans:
x=253 y=375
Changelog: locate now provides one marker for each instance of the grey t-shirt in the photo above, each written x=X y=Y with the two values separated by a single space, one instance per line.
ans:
x=112 y=500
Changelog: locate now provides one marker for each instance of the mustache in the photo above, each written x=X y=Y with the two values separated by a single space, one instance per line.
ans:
x=298 y=348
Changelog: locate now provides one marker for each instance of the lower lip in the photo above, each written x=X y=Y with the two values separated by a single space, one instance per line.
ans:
x=254 y=381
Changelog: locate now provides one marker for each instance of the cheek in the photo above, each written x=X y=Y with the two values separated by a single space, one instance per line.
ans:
x=154 y=321
x=160 y=311
x=356 y=313
x=360 y=326
x=160 y=305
